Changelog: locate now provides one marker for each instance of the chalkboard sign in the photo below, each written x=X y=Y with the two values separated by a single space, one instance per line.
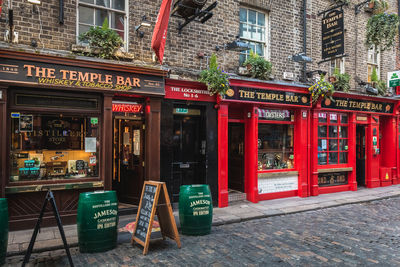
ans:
x=146 y=210
x=154 y=200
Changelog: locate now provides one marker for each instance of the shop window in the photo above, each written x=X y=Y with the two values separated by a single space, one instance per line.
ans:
x=254 y=31
x=332 y=138
x=275 y=140
x=92 y=13
x=53 y=146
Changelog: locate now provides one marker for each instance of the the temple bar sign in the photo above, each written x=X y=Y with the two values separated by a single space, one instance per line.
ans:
x=332 y=34
x=12 y=70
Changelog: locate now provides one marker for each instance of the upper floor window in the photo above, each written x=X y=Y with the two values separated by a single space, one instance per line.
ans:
x=93 y=13
x=253 y=30
x=373 y=62
x=337 y=63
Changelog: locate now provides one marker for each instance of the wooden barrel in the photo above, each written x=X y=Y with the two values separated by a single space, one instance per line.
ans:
x=97 y=221
x=3 y=229
x=187 y=8
x=195 y=209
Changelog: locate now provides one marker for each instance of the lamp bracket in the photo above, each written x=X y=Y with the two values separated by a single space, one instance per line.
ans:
x=199 y=15
x=358 y=7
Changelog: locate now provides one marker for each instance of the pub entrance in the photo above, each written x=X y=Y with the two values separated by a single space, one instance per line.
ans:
x=360 y=155
x=236 y=161
x=128 y=154
x=189 y=148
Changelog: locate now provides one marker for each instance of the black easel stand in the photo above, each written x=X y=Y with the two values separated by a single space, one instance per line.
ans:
x=49 y=197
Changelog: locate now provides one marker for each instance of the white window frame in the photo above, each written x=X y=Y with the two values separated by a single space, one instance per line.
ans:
x=337 y=63
x=375 y=54
x=267 y=27
x=125 y=13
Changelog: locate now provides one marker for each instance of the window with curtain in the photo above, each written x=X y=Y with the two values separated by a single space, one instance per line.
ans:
x=253 y=30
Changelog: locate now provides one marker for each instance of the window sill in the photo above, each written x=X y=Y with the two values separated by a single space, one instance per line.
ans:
x=345 y=169
x=277 y=173
x=54 y=187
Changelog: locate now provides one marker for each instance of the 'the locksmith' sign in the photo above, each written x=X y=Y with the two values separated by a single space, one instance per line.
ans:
x=332 y=34
x=14 y=70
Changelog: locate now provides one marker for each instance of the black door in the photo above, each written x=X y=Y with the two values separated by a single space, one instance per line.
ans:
x=360 y=155
x=236 y=156
x=189 y=150
x=128 y=166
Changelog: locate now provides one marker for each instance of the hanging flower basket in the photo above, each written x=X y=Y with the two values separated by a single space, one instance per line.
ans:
x=381 y=31
x=321 y=88
x=215 y=78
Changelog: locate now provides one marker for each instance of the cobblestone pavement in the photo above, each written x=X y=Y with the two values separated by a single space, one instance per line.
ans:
x=366 y=234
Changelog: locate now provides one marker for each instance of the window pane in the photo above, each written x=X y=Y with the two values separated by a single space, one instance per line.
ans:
x=333 y=145
x=253 y=34
x=53 y=146
x=261 y=19
x=83 y=29
x=275 y=149
x=333 y=158
x=343 y=145
x=342 y=131
x=332 y=131
x=321 y=131
x=86 y=15
x=252 y=17
x=322 y=144
x=87 y=1
x=245 y=31
x=105 y=3
x=101 y=15
x=343 y=118
x=117 y=21
x=119 y=4
x=322 y=117
x=333 y=118
x=343 y=157
x=260 y=49
x=243 y=15
x=242 y=59
x=322 y=158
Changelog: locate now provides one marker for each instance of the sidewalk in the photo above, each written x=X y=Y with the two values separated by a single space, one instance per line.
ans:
x=49 y=238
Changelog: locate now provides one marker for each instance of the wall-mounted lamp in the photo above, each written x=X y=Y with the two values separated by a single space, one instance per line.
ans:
x=300 y=58
x=143 y=23
x=236 y=45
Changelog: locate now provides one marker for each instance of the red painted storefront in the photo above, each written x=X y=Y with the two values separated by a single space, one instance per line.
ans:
x=331 y=146
x=255 y=109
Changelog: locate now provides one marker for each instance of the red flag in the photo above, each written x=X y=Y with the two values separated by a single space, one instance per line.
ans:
x=160 y=30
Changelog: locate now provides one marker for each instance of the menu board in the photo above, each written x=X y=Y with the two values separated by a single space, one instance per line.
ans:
x=145 y=212
x=154 y=200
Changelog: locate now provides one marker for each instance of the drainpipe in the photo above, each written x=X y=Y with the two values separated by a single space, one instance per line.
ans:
x=305 y=38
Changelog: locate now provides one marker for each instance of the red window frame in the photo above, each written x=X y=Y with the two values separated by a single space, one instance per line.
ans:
x=338 y=123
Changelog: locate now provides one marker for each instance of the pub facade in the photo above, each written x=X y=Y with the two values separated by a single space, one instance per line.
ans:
x=73 y=125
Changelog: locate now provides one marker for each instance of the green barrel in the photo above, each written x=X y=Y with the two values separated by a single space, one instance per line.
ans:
x=195 y=209
x=97 y=221
x=3 y=229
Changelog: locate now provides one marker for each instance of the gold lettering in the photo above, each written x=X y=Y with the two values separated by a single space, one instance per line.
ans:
x=64 y=74
x=30 y=67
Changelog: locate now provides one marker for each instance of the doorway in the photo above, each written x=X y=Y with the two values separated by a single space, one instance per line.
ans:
x=189 y=149
x=128 y=154
x=360 y=155
x=235 y=159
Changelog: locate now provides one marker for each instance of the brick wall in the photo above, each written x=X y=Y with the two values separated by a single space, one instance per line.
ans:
x=286 y=34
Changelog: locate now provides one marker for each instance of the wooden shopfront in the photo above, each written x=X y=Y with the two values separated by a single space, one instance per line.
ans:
x=188 y=137
x=263 y=137
x=353 y=143
x=75 y=125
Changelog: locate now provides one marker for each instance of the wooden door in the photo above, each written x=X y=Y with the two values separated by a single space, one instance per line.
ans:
x=236 y=156
x=128 y=168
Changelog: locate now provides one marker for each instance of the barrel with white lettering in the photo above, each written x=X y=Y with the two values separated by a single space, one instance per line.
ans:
x=3 y=229
x=195 y=209
x=97 y=221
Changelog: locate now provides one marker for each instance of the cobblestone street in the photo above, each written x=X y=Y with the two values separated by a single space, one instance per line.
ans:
x=352 y=235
